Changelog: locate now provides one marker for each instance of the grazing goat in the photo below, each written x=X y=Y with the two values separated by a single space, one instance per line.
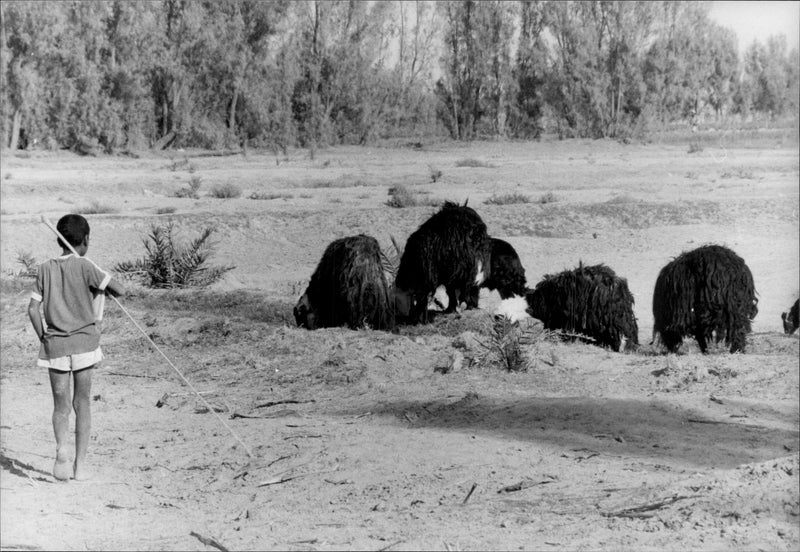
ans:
x=706 y=290
x=348 y=288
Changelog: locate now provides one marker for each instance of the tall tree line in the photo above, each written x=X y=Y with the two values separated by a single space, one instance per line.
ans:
x=278 y=74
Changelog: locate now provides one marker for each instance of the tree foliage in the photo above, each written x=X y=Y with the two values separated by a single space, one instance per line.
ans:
x=121 y=74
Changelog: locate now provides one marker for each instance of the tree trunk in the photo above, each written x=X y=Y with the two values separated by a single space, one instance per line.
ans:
x=15 y=126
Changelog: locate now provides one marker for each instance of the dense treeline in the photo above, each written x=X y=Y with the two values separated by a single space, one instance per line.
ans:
x=237 y=73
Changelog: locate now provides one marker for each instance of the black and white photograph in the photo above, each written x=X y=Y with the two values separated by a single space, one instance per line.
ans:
x=399 y=275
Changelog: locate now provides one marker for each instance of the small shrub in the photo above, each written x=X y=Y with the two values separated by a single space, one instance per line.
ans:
x=507 y=199
x=400 y=197
x=436 y=174
x=96 y=208
x=168 y=264
x=179 y=164
x=226 y=191
x=29 y=264
x=549 y=197
x=475 y=163
x=264 y=195
x=165 y=210
x=695 y=147
x=191 y=191
x=506 y=340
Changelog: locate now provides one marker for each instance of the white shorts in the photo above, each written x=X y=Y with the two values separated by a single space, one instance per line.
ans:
x=72 y=363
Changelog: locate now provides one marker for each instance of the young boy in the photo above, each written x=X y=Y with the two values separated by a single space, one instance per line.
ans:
x=70 y=342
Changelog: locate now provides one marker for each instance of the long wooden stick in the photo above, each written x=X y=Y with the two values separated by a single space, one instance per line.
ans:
x=210 y=408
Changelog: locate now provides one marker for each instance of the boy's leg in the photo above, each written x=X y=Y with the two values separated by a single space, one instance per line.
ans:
x=81 y=401
x=59 y=383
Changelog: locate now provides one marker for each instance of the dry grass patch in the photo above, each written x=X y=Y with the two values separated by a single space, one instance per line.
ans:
x=507 y=199
x=96 y=208
x=225 y=191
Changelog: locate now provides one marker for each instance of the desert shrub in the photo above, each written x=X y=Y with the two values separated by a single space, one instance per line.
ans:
x=226 y=191
x=549 y=197
x=191 y=190
x=400 y=196
x=96 y=208
x=505 y=342
x=168 y=264
x=695 y=147
x=507 y=199
x=475 y=163
x=165 y=210
x=436 y=174
x=29 y=264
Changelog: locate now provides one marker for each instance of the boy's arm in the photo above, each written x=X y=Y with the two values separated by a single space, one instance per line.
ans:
x=36 y=318
x=115 y=288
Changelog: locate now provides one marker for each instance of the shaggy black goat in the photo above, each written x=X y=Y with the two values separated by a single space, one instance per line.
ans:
x=348 y=288
x=451 y=249
x=791 y=319
x=706 y=290
x=507 y=275
x=591 y=301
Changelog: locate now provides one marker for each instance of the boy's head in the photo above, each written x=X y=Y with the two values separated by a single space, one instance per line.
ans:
x=75 y=230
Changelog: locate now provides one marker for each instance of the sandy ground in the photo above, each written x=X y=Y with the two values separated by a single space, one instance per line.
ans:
x=376 y=441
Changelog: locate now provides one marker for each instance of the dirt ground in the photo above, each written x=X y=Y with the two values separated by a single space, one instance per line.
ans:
x=417 y=439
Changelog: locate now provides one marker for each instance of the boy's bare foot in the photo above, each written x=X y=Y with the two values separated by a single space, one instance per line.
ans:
x=62 y=469
x=81 y=473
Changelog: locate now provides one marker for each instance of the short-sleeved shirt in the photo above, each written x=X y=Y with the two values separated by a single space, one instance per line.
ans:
x=66 y=288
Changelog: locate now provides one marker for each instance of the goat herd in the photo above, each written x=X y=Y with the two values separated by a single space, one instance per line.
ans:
x=707 y=293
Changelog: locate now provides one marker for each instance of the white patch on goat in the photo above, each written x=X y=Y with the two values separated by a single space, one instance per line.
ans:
x=480 y=277
x=439 y=301
x=514 y=308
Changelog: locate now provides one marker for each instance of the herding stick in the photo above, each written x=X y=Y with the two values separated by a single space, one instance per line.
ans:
x=210 y=408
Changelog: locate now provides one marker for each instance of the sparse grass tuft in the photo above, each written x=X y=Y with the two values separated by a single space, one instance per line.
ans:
x=507 y=199
x=745 y=173
x=400 y=197
x=695 y=147
x=96 y=208
x=548 y=197
x=475 y=163
x=168 y=264
x=264 y=195
x=436 y=173
x=191 y=191
x=165 y=210
x=226 y=191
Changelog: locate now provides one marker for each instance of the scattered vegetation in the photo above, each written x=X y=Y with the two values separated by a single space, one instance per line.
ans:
x=745 y=173
x=265 y=195
x=507 y=199
x=168 y=264
x=225 y=191
x=474 y=163
x=96 y=208
x=165 y=210
x=192 y=190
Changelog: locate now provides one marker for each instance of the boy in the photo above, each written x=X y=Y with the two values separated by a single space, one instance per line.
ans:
x=70 y=343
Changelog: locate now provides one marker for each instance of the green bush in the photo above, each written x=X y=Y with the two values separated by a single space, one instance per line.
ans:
x=168 y=264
